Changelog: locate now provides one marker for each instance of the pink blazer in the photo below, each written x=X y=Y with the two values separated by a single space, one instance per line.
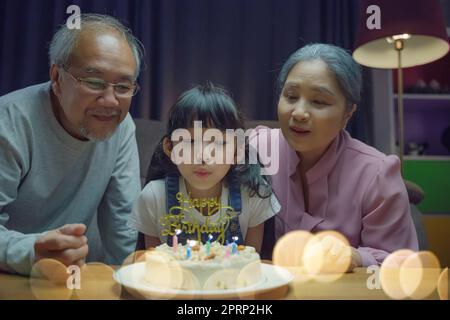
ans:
x=353 y=189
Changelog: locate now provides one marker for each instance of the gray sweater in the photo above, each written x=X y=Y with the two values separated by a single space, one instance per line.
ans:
x=48 y=179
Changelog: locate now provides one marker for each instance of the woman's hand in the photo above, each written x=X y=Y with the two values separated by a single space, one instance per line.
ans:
x=356 y=261
x=330 y=255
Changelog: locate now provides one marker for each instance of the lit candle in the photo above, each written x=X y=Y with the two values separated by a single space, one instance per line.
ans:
x=188 y=250
x=175 y=240
x=234 y=245
x=227 y=251
x=208 y=245
x=234 y=248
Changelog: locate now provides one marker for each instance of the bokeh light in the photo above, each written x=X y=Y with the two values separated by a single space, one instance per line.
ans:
x=97 y=283
x=390 y=273
x=135 y=257
x=443 y=285
x=250 y=276
x=135 y=265
x=48 y=280
x=419 y=274
x=288 y=253
x=327 y=256
x=162 y=270
x=163 y=273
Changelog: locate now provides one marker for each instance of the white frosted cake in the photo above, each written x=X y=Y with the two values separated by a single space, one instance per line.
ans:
x=203 y=268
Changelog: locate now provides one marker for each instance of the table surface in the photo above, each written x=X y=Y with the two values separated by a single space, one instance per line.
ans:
x=349 y=286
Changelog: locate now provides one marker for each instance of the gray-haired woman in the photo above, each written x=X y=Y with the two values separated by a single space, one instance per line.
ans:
x=330 y=181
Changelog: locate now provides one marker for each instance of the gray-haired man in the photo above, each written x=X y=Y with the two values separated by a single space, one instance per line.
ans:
x=68 y=150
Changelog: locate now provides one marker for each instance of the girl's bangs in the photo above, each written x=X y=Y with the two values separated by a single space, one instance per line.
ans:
x=212 y=111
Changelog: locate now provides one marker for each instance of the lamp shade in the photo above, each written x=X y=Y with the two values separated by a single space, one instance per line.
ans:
x=423 y=20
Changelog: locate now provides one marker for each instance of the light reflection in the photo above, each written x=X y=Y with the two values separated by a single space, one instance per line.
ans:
x=48 y=280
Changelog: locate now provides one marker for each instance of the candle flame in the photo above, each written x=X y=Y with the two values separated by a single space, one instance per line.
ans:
x=191 y=243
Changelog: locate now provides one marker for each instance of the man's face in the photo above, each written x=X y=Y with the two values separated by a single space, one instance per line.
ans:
x=83 y=111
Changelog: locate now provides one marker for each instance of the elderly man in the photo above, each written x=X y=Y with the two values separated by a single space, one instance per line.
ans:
x=68 y=150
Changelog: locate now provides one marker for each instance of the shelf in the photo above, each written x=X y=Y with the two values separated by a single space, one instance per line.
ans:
x=425 y=96
x=423 y=101
x=426 y=157
x=426 y=116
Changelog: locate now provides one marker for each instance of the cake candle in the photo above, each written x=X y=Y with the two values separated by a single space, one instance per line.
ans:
x=234 y=248
x=208 y=245
x=175 y=240
x=188 y=250
x=234 y=245
x=227 y=252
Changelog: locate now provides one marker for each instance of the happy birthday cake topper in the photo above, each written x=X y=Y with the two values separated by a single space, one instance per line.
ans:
x=181 y=217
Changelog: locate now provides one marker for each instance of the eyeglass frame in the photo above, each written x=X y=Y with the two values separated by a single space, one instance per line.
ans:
x=82 y=80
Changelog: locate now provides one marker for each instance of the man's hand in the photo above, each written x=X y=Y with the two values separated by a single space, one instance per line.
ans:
x=66 y=244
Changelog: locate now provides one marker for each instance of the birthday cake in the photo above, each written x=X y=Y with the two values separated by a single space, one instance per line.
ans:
x=210 y=266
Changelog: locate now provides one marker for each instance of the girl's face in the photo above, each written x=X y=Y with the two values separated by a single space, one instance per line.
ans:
x=207 y=166
x=312 y=108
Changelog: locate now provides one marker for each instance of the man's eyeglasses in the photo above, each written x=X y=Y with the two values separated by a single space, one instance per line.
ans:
x=96 y=85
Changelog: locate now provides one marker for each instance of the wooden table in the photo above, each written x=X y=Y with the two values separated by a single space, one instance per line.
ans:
x=349 y=286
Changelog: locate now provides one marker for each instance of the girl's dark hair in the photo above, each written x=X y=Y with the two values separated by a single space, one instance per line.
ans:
x=213 y=106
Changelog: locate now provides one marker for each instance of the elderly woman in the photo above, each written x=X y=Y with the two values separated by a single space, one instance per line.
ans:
x=330 y=181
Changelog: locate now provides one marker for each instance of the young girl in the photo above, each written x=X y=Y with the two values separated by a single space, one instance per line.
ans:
x=201 y=199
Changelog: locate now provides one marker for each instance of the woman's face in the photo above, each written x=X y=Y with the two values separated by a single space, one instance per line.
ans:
x=312 y=108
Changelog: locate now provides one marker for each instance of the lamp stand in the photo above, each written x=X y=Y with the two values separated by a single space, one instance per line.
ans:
x=399 y=45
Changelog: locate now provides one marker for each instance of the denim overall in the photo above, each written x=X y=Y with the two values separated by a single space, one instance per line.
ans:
x=234 y=200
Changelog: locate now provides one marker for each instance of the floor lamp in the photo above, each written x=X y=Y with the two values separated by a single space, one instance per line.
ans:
x=400 y=34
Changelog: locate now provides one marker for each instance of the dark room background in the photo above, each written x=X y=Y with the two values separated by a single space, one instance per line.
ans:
x=240 y=44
